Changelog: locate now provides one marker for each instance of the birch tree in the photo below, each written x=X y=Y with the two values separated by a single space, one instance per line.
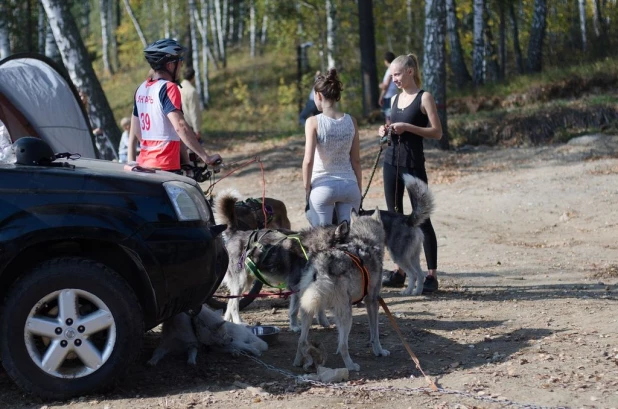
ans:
x=113 y=25
x=537 y=35
x=51 y=48
x=195 y=55
x=105 y=35
x=5 y=44
x=75 y=59
x=369 y=75
x=582 y=23
x=458 y=65
x=203 y=28
x=41 y=29
x=252 y=28
x=331 y=33
x=166 y=19
x=434 y=64
x=140 y=33
x=478 y=54
x=220 y=32
x=264 y=26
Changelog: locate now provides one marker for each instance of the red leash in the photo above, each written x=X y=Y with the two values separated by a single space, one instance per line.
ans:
x=280 y=294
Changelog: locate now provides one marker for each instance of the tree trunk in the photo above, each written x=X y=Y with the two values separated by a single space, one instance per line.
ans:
x=331 y=33
x=195 y=53
x=478 y=55
x=410 y=20
x=537 y=34
x=582 y=24
x=434 y=62
x=458 y=65
x=113 y=25
x=602 y=45
x=75 y=58
x=5 y=43
x=202 y=25
x=369 y=75
x=51 y=48
x=220 y=33
x=166 y=19
x=230 y=23
x=213 y=29
x=252 y=28
x=492 y=68
x=140 y=33
x=264 y=27
x=519 y=60
x=501 y=41
x=41 y=29
x=105 y=35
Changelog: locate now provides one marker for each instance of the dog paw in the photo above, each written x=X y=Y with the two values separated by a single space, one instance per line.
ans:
x=382 y=352
x=295 y=328
x=353 y=367
x=152 y=362
x=407 y=291
x=298 y=362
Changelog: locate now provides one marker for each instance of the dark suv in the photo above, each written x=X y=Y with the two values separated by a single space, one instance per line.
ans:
x=93 y=254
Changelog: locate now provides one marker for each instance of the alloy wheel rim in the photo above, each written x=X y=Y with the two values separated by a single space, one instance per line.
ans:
x=70 y=333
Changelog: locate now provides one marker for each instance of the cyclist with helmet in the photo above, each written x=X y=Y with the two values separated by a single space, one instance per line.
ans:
x=158 y=121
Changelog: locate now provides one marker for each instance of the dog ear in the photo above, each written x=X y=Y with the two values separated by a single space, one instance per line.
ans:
x=219 y=325
x=342 y=230
x=376 y=215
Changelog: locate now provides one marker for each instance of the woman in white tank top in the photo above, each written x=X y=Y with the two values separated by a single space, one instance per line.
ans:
x=331 y=167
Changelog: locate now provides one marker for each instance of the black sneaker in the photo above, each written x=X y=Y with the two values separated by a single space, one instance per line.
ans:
x=430 y=285
x=393 y=279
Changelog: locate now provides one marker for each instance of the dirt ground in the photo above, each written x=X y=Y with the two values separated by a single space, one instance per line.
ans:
x=526 y=313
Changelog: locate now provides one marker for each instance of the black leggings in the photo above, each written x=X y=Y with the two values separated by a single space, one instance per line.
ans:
x=393 y=193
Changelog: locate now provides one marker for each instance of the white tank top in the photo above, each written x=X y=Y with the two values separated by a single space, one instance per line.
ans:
x=332 y=153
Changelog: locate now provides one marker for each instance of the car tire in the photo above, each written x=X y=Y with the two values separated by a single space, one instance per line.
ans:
x=61 y=305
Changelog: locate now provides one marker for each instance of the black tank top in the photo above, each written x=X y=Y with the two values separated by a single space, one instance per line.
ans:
x=409 y=152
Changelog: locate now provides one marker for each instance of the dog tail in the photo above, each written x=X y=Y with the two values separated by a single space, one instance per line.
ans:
x=225 y=208
x=422 y=200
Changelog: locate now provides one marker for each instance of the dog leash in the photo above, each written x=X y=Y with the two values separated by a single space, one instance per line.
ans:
x=364 y=274
x=375 y=165
x=432 y=384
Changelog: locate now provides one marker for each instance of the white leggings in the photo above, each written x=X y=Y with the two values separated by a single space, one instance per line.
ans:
x=330 y=195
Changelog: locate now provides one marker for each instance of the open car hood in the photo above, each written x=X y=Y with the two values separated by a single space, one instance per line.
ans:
x=36 y=99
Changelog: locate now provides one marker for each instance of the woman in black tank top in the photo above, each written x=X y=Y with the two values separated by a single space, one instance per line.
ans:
x=414 y=116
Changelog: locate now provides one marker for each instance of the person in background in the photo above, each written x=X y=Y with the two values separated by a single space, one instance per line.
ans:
x=191 y=101
x=103 y=144
x=158 y=121
x=310 y=109
x=414 y=117
x=331 y=167
x=123 y=146
x=388 y=89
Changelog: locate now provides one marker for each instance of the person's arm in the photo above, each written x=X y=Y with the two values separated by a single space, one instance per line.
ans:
x=311 y=140
x=189 y=138
x=433 y=131
x=135 y=134
x=355 y=157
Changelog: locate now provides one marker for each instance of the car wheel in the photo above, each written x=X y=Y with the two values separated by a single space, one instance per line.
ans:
x=70 y=326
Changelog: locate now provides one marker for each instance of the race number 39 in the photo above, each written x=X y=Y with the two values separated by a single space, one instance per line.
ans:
x=145 y=121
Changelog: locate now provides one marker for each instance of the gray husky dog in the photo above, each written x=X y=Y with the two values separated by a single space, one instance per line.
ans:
x=185 y=333
x=279 y=255
x=340 y=276
x=404 y=238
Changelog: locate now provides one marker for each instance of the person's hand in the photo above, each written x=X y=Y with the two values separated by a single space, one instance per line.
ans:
x=398 y=128
x=382 y=131
x=213 y=159
x=381 y=101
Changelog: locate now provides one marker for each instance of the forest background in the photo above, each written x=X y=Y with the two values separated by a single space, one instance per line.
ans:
x=502 y=71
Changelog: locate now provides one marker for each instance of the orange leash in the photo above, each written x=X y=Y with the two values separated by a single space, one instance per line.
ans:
x=405 y=344
x=364 y=274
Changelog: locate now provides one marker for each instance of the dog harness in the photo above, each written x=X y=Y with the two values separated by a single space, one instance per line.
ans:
x=255 y=205
x=254 y=243
x=364 y=274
